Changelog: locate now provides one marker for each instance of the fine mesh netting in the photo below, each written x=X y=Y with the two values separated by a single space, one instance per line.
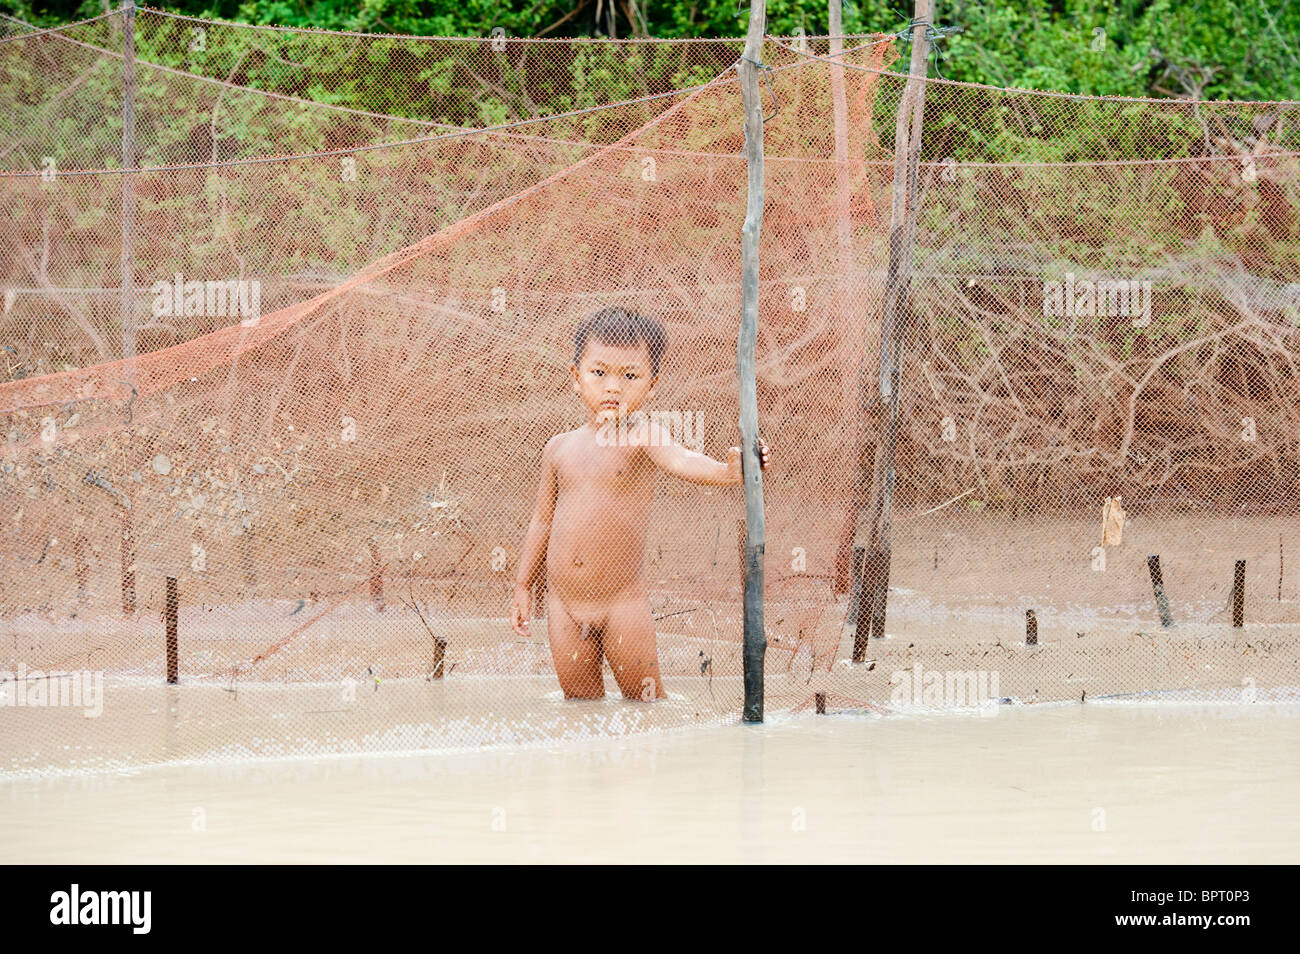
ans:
x=321 y=410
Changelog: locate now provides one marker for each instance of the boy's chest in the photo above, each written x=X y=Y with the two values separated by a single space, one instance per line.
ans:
x=596 y=468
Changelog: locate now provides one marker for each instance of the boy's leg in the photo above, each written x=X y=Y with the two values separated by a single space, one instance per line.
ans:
x=632 y=650
x=575 y=650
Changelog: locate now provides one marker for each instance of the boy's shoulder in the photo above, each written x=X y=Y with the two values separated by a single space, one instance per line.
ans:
x=557 y=442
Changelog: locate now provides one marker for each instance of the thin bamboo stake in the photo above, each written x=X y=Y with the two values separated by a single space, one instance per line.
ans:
x=171 y=612
x=850 y=333
x=1238 y=594
x=844 y=314
x=874 y=534
x=128 y=185
x=755 y=641
x=1158 y=588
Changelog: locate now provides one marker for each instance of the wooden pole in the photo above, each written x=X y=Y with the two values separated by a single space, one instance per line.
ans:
x=875 y=523
x=1031 y=628
x=1239 y=594
x=755 y=641
x=1158 y=587
x=128 y=187
x=439 y=656
x=173 y=653
x=850 y=334
x=845 y=315
x=859 y=608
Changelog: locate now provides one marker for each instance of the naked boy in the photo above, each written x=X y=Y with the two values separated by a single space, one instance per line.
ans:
x=593 y=509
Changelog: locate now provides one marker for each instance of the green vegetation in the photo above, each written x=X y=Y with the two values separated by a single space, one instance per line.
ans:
x=1216 y=49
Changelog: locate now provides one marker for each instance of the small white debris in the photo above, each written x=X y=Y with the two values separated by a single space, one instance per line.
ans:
x=162 y=465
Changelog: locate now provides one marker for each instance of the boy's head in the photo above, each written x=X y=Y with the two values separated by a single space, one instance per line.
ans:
x=616 y=356
x=627 y=329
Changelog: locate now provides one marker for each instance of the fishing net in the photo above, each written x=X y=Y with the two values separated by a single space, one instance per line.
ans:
x=292 y=469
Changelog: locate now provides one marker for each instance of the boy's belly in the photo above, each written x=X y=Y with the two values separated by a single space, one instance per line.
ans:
x=595 y=554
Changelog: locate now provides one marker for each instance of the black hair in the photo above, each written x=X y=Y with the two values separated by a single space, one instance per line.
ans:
x=622 y=329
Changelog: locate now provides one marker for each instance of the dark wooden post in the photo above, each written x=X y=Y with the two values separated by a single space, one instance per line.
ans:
x=860 y=608
x=1031 y=628
x=755 y=640
x=880 y=412
x=173 y=653
x=1158 y=587
x=439 y=656
x=1239 y=594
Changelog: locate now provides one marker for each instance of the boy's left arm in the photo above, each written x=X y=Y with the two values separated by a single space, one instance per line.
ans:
x=679 y=461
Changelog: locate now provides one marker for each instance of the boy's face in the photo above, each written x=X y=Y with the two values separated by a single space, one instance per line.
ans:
x=613 y=380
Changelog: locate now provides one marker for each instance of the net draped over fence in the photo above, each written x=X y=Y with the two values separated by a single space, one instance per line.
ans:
x=357 y=264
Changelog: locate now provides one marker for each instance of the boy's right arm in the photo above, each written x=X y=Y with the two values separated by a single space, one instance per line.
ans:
x=535 y=541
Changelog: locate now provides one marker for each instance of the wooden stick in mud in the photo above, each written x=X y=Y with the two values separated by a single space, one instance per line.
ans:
x=173 y=651
x=1239 y=594
x=1158 y=587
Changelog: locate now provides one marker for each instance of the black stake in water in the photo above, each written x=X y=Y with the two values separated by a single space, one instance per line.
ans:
x=1239 y=594
x=1158 y=586
x=173 y=654
x=860 y=608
